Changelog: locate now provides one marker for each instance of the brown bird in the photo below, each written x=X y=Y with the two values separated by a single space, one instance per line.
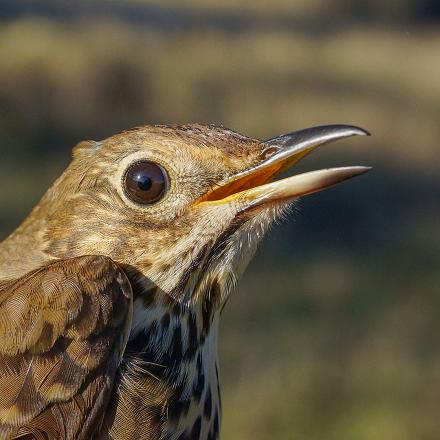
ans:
x=111 y=290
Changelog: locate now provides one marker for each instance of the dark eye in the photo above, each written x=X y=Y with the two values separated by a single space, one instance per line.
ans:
x=145 y=182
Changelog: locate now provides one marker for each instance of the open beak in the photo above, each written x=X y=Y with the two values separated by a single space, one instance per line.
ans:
x=254 y=186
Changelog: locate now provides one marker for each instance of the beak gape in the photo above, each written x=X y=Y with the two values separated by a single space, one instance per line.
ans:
x=250 y=187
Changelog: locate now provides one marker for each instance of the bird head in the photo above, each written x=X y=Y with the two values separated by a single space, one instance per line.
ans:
x=182 y=208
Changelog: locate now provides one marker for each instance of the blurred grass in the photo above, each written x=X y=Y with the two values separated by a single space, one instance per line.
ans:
x=343 y=349
x=332 y=334
x=131 y=76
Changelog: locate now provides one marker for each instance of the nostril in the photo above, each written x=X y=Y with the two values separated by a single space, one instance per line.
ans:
x=268 y=152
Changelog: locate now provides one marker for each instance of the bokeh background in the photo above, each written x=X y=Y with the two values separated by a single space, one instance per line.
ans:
x=334 y=332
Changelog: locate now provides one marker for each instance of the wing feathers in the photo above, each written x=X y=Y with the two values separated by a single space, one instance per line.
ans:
x=63 y=329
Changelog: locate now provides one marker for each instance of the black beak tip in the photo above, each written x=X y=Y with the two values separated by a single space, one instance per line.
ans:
x=360 y=131
x=348 y=130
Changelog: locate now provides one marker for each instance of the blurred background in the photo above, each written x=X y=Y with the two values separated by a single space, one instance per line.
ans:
x=334 y=332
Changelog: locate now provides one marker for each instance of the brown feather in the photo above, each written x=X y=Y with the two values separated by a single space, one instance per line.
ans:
x=63 y=329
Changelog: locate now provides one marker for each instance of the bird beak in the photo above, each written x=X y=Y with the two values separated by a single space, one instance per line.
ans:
x=254 y=186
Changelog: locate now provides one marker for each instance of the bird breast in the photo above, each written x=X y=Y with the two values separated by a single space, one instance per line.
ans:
x=169 y=380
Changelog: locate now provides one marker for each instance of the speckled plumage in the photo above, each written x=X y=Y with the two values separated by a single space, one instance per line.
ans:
x=109 y=310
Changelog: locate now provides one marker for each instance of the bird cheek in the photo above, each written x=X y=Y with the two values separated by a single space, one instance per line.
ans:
x=218 y=218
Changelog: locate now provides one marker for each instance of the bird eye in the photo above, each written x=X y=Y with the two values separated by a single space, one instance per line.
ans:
x=145 y=182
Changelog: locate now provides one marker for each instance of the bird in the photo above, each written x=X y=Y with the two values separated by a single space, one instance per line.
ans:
x=112 y=289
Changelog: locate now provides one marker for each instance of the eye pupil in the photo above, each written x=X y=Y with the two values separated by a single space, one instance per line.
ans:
x=145 y=182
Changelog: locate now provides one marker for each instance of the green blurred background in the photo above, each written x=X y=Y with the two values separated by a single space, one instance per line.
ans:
x=333 y=333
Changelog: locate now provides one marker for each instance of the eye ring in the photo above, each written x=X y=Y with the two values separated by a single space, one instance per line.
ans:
x=145 y=182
